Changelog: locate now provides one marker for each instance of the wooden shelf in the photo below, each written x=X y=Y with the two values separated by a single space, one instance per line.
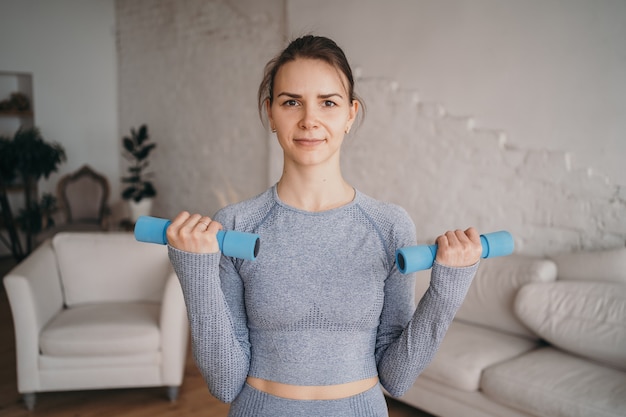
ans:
x=20 y=114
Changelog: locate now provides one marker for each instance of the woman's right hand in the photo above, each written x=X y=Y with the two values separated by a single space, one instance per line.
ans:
x=193 y=233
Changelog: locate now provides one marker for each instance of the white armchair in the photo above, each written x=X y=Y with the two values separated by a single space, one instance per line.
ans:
x=96 y=311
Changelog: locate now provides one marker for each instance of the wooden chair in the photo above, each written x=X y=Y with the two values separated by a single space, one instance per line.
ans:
x=83 y=198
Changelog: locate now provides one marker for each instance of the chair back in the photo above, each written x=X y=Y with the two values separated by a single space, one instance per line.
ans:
x=100 y=267
x=83 y=196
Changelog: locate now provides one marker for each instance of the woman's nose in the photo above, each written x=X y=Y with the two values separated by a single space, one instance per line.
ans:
x=309 y=118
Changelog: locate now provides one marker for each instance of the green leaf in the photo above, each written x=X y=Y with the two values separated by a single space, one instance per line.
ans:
x=148 y=189
x=143 y=153
x=128 y=192
x=142 y=135
x=128 y=144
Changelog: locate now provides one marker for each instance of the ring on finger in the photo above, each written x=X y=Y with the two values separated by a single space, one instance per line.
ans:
x=206 y=225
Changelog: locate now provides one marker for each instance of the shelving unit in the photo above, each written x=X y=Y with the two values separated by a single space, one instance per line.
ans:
x=16 y=82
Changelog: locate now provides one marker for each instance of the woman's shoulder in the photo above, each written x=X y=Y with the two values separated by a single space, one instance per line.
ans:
x=244 y=214
x=384 y=210
x=391 y=220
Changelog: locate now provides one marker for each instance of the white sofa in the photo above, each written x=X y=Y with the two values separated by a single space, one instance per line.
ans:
x=534 y=337
x=94 y=311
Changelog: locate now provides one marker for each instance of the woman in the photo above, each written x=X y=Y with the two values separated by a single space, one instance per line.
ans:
x=322 y=318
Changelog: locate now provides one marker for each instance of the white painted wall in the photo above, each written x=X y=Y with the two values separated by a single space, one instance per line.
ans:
x=549 y=73
x=69 y=47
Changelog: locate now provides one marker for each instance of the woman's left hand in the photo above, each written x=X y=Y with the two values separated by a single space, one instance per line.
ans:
x=459 y=248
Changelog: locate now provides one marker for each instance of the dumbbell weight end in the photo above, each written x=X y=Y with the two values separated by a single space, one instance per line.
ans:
x=232 y=243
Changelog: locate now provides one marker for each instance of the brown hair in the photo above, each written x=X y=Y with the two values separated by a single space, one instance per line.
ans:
x=311 y=47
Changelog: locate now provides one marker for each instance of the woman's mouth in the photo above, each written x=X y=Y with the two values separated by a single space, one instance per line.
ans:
x=308 y=141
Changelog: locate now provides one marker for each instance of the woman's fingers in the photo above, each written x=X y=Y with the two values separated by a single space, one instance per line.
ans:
x=459 y=248
x=193 y=233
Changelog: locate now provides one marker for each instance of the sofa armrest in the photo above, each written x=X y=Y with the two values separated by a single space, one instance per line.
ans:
x=174 y=332
x=34 y=291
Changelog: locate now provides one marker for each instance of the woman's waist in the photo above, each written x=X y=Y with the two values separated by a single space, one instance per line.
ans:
x=313 y=392
x=337 y=368
x=312 y=346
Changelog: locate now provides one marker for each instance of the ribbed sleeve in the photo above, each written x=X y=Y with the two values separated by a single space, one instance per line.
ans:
x=221 y=358
x=402 y=356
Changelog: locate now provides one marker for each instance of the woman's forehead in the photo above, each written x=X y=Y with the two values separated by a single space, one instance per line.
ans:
x=310 y=74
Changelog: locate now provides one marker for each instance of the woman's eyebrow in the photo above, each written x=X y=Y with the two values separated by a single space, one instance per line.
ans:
x=325 y=96
x=290 y=95
x=321 y=96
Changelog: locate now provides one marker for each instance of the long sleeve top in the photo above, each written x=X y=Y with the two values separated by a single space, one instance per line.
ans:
x=323 y=303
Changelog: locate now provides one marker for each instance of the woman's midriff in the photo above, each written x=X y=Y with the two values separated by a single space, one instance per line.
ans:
x=312 y=392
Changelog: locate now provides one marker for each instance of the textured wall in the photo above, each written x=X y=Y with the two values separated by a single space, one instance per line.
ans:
x=448 y=174
x=190 y=70
x=550 y=72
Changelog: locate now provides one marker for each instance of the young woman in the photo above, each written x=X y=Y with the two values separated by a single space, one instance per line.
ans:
x=322 y=318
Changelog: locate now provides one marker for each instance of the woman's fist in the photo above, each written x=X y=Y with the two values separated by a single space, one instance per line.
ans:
x=194 y=233
x=459 y=248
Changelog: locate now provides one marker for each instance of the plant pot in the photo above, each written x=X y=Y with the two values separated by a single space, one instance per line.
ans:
x=142 y=208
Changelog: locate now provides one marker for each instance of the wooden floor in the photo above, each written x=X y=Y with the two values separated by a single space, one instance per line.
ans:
x=194 y=398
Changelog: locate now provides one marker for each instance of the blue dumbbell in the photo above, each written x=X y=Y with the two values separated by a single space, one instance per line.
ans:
x=416 y=258
x=236 y=244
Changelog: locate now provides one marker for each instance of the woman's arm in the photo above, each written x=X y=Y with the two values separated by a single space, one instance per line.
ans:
x=213 y=293
x=218 y=333
x=405 y=349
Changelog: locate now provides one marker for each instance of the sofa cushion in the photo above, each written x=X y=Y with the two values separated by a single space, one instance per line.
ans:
x=585 y=318
x=548 y=382
x=606 y=265
x=468 y=349
x=110 y=267
x=489 y=301
x=103 y=330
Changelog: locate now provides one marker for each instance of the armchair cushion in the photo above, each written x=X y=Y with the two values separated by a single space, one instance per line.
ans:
x=94 y=268
x=111 y=329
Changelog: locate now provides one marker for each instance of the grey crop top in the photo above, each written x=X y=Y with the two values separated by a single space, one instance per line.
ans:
x=322 y=304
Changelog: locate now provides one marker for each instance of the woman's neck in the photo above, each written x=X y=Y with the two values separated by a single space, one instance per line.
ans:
x=314 y=191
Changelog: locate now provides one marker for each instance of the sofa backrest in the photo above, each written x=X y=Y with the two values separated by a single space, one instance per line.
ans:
x=600 y=265
x=109 y=267
x=584 y=311
x=490 y=299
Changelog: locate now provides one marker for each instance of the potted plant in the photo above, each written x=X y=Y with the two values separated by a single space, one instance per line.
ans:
x=39 y=216
x=139 y=190
x=24 y=160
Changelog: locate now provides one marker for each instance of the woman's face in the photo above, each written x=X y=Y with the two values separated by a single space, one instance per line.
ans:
x=311 y=111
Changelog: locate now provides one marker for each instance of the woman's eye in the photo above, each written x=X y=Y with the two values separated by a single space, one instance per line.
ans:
x=329 y=103
x=290 y=103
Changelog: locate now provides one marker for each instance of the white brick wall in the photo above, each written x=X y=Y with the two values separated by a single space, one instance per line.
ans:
x=449 y=174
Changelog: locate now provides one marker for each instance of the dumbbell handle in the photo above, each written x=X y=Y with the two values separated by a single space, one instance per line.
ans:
x=417 y=258
x=232 y=243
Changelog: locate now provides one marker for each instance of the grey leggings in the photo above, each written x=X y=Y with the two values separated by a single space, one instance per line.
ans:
x=254 y=403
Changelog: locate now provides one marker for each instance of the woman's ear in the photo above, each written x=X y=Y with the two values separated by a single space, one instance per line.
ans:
x=354 y=110
x=268 y=110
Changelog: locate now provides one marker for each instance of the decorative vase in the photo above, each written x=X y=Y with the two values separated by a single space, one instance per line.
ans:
x=141 y=208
